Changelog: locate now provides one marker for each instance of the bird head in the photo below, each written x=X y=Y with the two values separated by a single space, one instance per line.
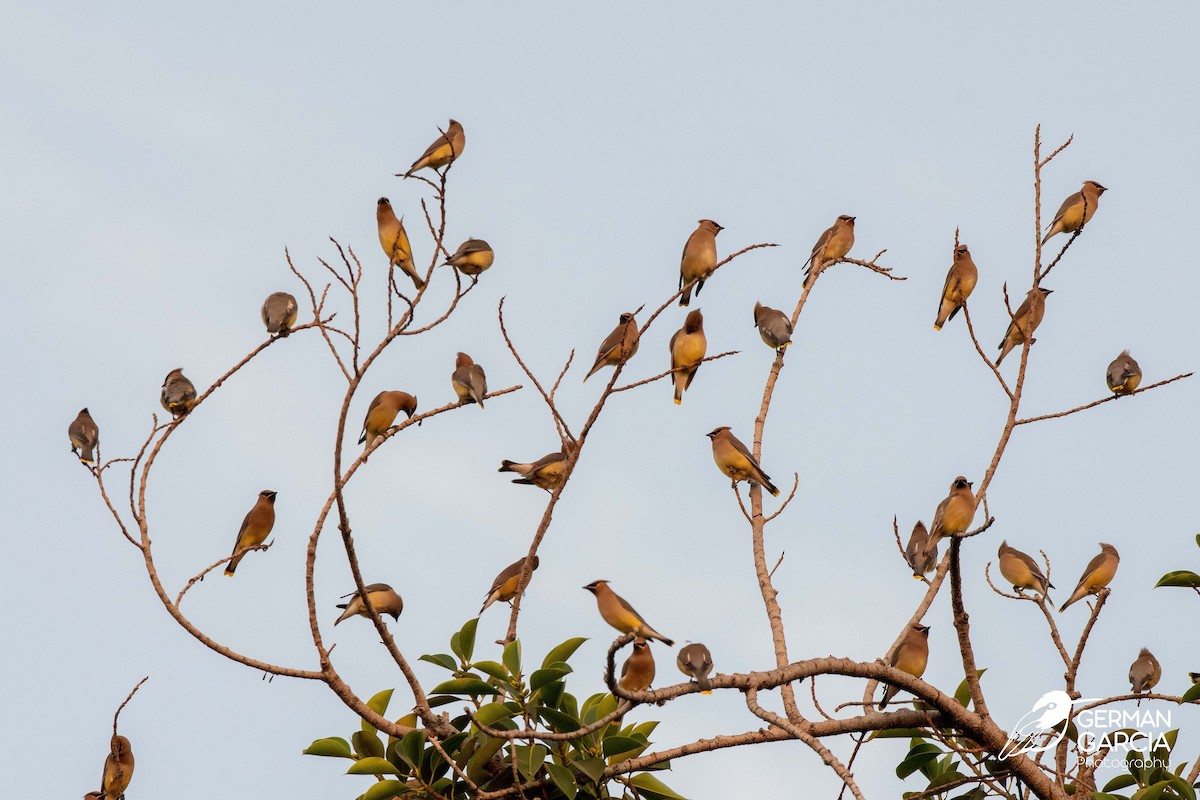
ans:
x=961 y=251
x=462 y=360
x=409 y=406
x=846 y=218
x=267 y=493
x=83 y=411
x=627 y=317
x=922 y=629
x=1099 y=189
x=961 y=483
x=712 y=226
x=715 y=432
x=694 y=321
x=594 y=586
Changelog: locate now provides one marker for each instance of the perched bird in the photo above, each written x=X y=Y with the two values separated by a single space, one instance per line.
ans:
x=1022 y=571
x=699 y=258
x=774 y=327
x=1024 y=322
x=178 y=394
x=911 y=656
x=1124 y=374
x=85 y=436
x=394 y=241
x=444 y=149
x=687 y=347
x=618 y=346
x=1194 y=676
x=695 y=661
x=637 y=673
x=472 y=257
x=382 y=413
x=384 y=599
x=469 y=381
x=960 y=282
x=954 y=514
x=545 y=473
x=1096 y=575
x=735 y=460
x=1076 y=211
x=834 y=243
x=118 y=769
x=921 y=560
x=504 y=588
x=619 y=614
x=279 y=312
x=1144 y=673
x=256 y=527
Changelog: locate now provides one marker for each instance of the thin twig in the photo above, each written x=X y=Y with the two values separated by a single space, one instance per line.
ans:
x=1095 y=403
x=125 y=702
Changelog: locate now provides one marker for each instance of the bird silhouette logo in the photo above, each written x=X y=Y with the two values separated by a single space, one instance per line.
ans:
x=1043 y=726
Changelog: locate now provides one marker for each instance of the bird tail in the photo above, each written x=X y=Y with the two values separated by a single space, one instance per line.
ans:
x=229 y=570
x=477 y=397
x=705 y=685
x=491 y=598
x=506 y=466
x=686 y=298
x=770 y=487
x=888 y=693
x=699 y=286
x=661 y=638
x=86 y=456
x=345 y=614
x=680 y=380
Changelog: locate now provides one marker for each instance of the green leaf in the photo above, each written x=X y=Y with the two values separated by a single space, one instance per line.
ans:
x=493 y=713
x=378 y=704
x=646 y=728
x=963 y=693
x=1103 y=796
x=1181 y=787
x=529 y=759
x=493 y=669
x=918 y=757
x=478 y=762
x=604 y=705
x=410 y=748
x=1180 y=577
x=978 y=793
x=547 y=675
x=592 y=767
x=331 y=746
x=385 y=789
x=512 y=658
x=471 y=686
x=443 y=660
x=557 y=720
x=441 y=700
x=463 y=642
x=1120 y=782
x=563 y=778
x=372 y=766
x=623 y=745
x=551 y=693
x=896 y=733
x=1198 y=540
x=1151 y=792
x=1193 y=693
x=565 y=650
x=366 y=743
x=654 y=787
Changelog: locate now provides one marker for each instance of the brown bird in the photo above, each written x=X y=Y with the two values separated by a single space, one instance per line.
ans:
x=504 y=588
x=912 y=656
x=469 y=381
x=444 y=150
x=637 y=673
x=737 y=462
x=118 y=769
x=472 y=257
x=774 y=327
x=699 y=258
x=394 y=241
x=618 y=346
x=1144 y=673
x=688 y=346
x=545 y=473
x=1096 y=575
x=921 y=560
x=960 y=282
x=1076 y=211
x=834 y=243
x=384 y=599
x=619 y=614
x=695 y=661
x=1124 y=374
x=256 y=527
x=279 y=312
x=954 y=514
x=382 y=413
x=85 y=437
x=1022 y=571
x=178 y=394
x=1024 y=322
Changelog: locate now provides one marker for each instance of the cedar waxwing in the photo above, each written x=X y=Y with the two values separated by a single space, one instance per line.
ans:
x=1024 y=322
x=954 y=514
x=619 y=614
x=384 y=600
x=618 y=346
x=637 y=673
x=256 y=527
x=1124 y=374
x=178 y=394
x=504 y=588
x=1096 y=575
x=279 y=313
x=736 y=461
x=118 y=769
x=472 y=257
x=699 y=258
x=911 y=656
x=468 y=380
x=695 y=661
x=774 y=327
x=834 y=243
x=921 y=560
x=1021 y=571
x=1195 y=676
x=687 y=347
x=382 y=413
x=394 y=241
x=545 y=473
x=960 y=282
x=1144 y=673
x=444 y=149
x=84 y=436
x=1077 y=210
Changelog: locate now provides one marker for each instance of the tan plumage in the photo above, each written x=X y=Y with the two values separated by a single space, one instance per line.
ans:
x=118 y=769
x=394 y=241
x=1096 y=575
x=960 y=282
x=256 y=527
x=85 y=437
x=472 y=257
x=469 y=380
x=687 y=346
x=695 y=661
x=1076 y=211
x=279 y=312
x=504 y=588
x=1144 y=673
x=911 y=656
x=833 y=244
x=619 y=614
x=699 y=259
x=737 y=462
x=1124 y=375
x=178 y=395
x=954 y=514
x=382 y=413
x=919 y=558
x=1024 y=322
x=1021 y=571
x=774 y=327
x=618 y=346
x=637 y=673
x=384 y=599
x=545 y=473
x=445 y=148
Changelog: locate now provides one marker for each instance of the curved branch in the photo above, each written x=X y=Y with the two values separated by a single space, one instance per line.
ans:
x=1095 y=403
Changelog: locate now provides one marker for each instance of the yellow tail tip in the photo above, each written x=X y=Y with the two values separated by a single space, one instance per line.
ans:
x=937 y=327
x=228 y=573
x=678 y=402
x=708 y=692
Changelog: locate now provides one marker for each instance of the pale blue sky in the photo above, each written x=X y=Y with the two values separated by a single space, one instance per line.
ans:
x=157 y=159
